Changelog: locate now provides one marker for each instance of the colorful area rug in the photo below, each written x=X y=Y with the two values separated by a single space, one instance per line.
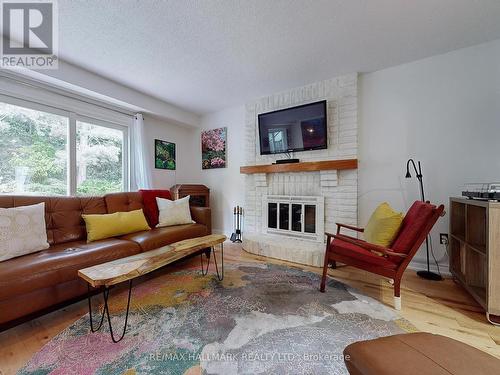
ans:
x=262 y=319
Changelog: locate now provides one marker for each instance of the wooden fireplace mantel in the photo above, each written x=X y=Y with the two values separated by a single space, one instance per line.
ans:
x=307 y=166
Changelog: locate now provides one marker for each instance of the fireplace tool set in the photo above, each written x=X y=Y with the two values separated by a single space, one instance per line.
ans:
x=237 y=218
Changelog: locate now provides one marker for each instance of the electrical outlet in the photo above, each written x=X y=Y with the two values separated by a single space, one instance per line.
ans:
x=443 y=238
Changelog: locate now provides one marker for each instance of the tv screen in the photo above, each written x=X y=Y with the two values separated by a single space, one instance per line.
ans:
x=299 y=128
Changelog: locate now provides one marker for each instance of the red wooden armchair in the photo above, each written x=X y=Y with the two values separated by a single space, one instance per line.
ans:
x=415 y=227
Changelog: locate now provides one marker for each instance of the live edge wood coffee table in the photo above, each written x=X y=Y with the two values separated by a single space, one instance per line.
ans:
x=105 y=275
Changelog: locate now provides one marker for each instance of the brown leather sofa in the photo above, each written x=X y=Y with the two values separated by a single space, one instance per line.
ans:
x=39 y=282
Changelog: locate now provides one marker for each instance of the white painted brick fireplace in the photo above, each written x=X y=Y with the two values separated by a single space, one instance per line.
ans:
x=339 y=188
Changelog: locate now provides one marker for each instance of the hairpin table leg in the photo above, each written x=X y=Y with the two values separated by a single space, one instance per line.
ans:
x=92 y=329
x=220 y=276
x=105 y=294
x=204 y=271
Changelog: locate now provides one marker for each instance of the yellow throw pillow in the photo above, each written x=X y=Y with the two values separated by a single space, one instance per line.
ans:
x=117 y=224
x=383 y=225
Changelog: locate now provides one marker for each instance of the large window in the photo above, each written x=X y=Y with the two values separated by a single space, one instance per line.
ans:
x=99 y=159
x=44 y=151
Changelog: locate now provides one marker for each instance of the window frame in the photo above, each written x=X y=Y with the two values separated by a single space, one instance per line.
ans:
x=73 y=117
x=125 y=152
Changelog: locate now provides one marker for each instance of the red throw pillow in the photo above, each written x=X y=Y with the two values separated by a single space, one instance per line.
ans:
x=150 y=207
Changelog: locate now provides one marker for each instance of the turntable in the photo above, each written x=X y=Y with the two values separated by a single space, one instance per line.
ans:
x=482 y=191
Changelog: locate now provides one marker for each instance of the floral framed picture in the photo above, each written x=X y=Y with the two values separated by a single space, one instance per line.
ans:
x=213 y=148
x=164 y=155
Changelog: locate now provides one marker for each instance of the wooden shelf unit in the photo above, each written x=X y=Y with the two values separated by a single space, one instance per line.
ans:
x=307 y=166
x=475 y=251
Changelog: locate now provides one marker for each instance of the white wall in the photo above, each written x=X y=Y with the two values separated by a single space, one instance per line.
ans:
x=186 y=157
x=444 y=111
x=226 y=185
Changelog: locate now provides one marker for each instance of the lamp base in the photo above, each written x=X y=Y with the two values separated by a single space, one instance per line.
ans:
x=428 y=275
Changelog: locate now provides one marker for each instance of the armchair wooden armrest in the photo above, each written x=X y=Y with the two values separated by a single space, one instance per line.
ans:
x=368 y=246
x=329 y=236
x=351 y=227
x=341 y=235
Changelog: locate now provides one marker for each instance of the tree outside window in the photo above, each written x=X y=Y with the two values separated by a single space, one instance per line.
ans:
x=33 y=151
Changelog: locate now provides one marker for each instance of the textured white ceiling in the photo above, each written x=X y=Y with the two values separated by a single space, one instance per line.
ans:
x=205 y=55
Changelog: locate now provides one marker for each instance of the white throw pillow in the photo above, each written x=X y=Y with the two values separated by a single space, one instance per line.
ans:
x=173 y=212
x=22 y=230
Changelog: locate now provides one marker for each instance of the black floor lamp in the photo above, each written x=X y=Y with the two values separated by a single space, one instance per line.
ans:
x=429 y=275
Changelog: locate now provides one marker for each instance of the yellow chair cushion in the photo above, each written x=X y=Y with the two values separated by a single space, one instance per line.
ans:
x=112 y=225
x=383 y=225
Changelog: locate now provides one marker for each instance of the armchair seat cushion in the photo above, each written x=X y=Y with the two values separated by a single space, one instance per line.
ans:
x=352 y=251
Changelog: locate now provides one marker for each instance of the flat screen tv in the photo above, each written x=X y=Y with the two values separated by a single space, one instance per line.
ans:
x=293 y=129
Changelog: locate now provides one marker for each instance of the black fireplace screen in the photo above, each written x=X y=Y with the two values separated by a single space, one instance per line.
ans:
x=295 y=217
x=309 y=218
x=284 y=216
x=272 y=215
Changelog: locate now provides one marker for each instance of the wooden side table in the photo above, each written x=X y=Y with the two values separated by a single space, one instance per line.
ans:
x=200 y=194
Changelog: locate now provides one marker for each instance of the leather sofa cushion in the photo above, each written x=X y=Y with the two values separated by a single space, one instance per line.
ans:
x=158 y=237
x=123 y=202
x=58 y=264
x=38 y=299
x=418 y=354
x=63 y=215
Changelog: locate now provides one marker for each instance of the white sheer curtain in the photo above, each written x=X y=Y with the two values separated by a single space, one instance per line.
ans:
x=142 y=169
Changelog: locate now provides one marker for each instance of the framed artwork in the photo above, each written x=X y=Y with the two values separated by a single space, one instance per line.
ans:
x=164 y=155
x=213 y=148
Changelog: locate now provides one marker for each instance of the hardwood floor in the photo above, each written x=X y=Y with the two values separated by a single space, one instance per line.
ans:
x=438 y=307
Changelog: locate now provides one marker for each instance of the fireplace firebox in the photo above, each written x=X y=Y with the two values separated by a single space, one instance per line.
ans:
x=295 y=216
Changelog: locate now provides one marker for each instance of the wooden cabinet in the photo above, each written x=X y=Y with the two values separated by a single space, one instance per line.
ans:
x=200 y=194
x=475 y=251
